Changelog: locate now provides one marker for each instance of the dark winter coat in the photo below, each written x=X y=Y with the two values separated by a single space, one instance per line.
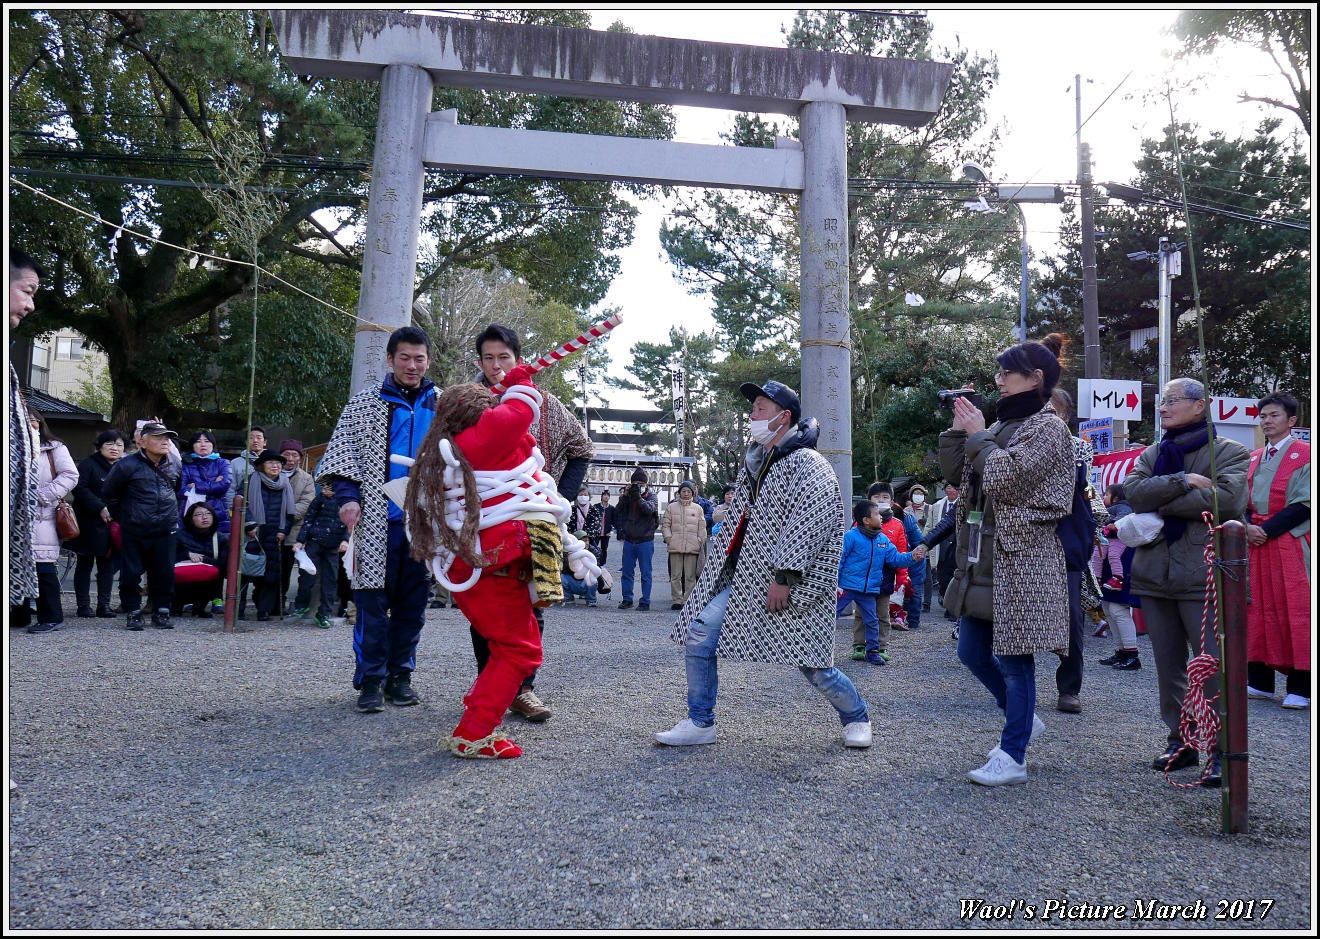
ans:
x=212 y=545
x=141 y=495
x=93 y=533
x=321 y=525
x=212 y=479
x=637 y=517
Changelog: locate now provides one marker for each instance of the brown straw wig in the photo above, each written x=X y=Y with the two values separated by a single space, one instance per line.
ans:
x=457 y=409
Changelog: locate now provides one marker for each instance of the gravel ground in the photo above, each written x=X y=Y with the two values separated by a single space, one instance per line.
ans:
x=196 y=779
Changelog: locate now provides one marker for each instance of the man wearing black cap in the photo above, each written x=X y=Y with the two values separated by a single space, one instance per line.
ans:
x=767 y=592
x=636 y=518
x=140 y=492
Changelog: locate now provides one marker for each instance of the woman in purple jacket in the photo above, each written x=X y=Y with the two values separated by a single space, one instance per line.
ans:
x=208 y=475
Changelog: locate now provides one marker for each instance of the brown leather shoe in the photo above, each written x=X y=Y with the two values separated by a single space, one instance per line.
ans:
x=1069 y=704
x=531 y=707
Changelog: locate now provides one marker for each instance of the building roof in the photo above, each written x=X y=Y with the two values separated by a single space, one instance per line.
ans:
x=53 y=408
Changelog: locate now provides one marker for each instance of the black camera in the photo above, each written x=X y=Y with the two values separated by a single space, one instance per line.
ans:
x=948 y=394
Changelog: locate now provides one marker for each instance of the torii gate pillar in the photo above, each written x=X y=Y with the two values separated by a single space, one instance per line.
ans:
x=389 y=262
x=826 y=347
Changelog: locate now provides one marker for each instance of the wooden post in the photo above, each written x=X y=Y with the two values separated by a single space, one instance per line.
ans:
x=231 y=563
x=1233 y=601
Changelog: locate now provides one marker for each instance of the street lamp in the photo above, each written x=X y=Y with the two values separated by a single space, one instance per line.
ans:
x=977 y=175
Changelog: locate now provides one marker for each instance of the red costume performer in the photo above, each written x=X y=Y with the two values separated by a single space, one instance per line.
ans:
x=1279 y=615
x=499 y=604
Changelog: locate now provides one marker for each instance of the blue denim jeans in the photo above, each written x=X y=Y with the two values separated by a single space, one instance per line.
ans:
x=638 y=553
x=913 y=606
x=703 y=636
x=1010 y=678
x=578 y=588
x=866 y=607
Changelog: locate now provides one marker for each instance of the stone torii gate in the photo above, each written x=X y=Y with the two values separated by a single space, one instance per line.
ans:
x=410 y=54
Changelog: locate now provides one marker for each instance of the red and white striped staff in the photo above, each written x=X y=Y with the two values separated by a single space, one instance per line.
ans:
x=573 y=345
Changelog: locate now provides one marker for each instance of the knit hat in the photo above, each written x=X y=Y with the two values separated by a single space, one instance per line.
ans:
x=689 y=485
x=291 y=445
x=639 y=475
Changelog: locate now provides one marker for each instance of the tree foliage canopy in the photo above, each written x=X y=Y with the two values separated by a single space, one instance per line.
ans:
x=1255 y=279
x=117 y=112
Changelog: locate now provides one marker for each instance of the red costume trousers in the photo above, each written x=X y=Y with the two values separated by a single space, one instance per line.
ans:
x=500 y=609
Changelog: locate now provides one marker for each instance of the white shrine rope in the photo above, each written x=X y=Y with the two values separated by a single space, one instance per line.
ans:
x=532 y=496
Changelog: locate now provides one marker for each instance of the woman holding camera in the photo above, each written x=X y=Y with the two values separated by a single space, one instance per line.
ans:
x=1010 y=585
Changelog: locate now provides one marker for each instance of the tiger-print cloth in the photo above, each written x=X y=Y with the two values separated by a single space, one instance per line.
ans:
x=547 y=561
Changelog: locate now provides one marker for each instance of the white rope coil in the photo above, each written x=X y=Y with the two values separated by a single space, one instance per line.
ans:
x=532 y=496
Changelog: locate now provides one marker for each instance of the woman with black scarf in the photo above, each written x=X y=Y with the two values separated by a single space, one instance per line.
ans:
x=1010 y=586
x=270 y=512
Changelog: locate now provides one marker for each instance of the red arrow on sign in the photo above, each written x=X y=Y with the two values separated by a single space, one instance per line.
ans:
x=1132 y=400
x=1253 y=411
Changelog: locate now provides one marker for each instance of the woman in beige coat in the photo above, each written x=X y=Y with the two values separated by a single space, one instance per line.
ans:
x=684 y=530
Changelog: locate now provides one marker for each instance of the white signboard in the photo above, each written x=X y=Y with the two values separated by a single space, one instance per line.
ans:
x=1302 y=433
x=1234 y=411
x=1100 y=397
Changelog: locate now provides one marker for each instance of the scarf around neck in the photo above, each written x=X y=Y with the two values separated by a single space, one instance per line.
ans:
x=1171 y=459
x=1019 y=406
x=255 y=485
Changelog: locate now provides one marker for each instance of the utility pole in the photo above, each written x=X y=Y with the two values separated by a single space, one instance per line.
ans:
x=1090 y=297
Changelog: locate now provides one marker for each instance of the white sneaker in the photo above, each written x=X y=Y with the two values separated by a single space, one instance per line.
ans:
x=1295 y=702
x=857 y=734
x=1000 y=770
x=686 y=734
x=1257 y=693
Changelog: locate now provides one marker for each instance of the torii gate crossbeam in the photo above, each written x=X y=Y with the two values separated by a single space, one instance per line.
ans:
x=409 y=54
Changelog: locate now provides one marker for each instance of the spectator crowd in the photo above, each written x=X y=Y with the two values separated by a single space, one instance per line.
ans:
x=1019 y=549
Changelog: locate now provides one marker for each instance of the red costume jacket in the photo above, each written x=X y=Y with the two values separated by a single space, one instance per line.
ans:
x=500 y=440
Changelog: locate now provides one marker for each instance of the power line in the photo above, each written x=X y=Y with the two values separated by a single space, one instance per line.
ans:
x=124 y=229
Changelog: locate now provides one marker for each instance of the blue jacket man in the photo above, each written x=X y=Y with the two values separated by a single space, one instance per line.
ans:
x=391 y=589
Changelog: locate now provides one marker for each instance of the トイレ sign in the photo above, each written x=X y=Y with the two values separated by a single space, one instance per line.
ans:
x=1101 y=397
x=1234 y=411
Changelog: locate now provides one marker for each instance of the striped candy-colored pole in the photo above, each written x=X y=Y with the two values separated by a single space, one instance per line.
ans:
x=568 y=348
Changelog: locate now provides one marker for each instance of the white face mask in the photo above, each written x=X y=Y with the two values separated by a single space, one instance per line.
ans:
x=884 y=507
x=761 y=432
x=918 y=499
x=584 y=500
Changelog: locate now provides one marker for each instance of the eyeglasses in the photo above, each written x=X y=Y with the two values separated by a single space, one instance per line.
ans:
x=1171 y=399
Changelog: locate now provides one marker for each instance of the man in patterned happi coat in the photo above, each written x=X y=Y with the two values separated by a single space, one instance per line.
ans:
x=390 y=588
x=767 y=592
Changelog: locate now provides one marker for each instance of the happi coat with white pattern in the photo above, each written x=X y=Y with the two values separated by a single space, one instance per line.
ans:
x=795 y=524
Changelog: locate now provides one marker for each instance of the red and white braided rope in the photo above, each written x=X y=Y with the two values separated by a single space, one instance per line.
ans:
x=1200 y=724
x=599 y=331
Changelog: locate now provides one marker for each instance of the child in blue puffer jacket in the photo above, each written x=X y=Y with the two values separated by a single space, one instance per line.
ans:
x=866 y=551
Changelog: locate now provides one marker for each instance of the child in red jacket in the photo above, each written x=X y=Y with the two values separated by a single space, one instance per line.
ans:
x=489 y=561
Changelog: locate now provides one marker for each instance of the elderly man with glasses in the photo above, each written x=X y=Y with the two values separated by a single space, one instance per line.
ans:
x=1173 y=479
